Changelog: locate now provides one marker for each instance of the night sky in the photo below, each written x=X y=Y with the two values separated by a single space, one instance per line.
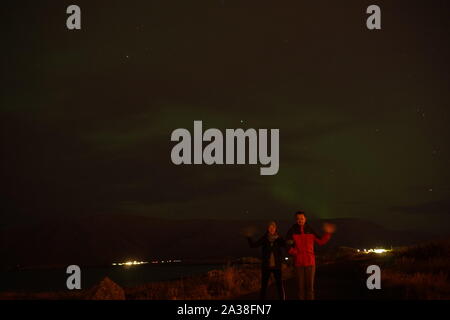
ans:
x=363 y=115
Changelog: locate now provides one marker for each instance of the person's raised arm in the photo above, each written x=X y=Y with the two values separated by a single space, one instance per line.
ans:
x=329 y=229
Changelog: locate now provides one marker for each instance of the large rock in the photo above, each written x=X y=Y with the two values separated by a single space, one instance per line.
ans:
x=106 y=290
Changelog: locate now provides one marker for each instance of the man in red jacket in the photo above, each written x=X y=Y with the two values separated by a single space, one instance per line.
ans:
x=302 y=238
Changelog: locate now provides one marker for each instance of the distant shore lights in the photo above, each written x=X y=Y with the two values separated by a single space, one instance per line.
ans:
x=379 y=251
x=136 y=263
x=130 y=263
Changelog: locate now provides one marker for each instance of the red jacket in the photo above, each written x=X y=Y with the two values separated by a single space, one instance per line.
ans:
x=303 y=238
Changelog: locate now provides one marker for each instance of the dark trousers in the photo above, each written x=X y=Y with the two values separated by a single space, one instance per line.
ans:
x=265 y=275
x=305 y=280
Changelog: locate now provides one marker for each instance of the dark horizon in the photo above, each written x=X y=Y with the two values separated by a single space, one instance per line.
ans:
x=102 y=240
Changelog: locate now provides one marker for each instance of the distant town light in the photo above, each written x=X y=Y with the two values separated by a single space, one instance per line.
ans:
x=377 y=250
x=380 y=250
x=130 y=263
x=134 y=263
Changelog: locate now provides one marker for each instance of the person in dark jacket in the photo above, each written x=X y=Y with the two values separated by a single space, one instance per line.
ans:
x=272 y=256
x=301 y=237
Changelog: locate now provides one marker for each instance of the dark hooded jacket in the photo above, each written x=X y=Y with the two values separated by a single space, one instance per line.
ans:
x=268 y=247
